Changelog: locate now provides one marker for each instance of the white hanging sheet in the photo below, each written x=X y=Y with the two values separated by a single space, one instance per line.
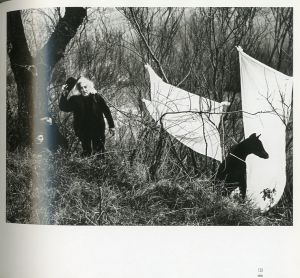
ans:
x=177 y=110
x=266 y=102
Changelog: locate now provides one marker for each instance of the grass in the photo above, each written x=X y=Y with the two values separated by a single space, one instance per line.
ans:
x=65 y=189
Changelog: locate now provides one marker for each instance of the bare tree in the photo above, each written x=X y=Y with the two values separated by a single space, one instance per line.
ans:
x=32 y=73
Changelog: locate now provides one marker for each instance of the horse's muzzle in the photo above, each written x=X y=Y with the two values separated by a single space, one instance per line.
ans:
x=264 y=155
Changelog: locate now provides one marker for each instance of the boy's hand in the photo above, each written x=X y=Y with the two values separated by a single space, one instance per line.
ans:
x=65 y=90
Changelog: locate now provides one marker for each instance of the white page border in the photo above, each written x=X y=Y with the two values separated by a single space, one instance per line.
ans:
x=71 y=251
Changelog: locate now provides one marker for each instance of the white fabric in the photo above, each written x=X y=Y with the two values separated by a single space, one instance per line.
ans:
x=175 y=109
x=268 y=91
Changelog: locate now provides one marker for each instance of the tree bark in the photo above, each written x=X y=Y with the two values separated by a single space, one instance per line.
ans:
x=32 y=74
x=22 y=66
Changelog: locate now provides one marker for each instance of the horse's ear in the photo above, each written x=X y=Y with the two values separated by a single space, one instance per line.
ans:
x=253 y=135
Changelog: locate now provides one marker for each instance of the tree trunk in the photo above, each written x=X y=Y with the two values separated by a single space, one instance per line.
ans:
x=22 y=66
x=32 y=74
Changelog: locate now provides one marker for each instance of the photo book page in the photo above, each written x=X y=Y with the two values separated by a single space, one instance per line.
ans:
x=149 y=139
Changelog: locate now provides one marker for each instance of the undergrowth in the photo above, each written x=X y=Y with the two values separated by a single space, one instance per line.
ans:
x=66 y=189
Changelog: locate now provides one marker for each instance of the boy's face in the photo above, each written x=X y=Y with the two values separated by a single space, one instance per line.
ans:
x=83 y=89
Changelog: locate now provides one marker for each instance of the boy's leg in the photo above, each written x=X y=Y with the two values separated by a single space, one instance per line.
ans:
x=86 y=146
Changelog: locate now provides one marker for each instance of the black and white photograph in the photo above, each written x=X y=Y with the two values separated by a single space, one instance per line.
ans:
x=149 y=139
x=150 y=116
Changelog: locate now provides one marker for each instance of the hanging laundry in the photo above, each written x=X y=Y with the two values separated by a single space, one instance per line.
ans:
x=178 y=111
x=266 y=103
